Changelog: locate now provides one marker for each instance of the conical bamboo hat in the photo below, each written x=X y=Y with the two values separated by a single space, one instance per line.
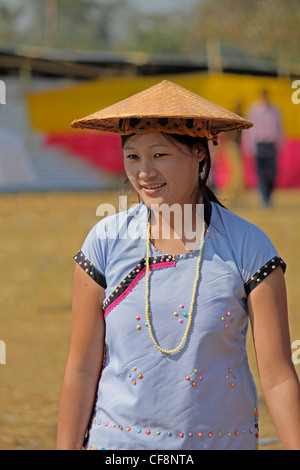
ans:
x=165 y=107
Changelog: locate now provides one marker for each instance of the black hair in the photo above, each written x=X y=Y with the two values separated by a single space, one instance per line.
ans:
x=202 y=189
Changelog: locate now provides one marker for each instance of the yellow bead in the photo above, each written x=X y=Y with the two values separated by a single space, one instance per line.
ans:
x=175 y=314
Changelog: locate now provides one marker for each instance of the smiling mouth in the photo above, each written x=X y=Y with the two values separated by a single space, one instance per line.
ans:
x=153 y=186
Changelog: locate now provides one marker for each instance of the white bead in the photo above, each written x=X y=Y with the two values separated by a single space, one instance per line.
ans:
x=148 y=314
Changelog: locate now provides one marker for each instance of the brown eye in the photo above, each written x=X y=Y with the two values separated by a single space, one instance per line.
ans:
x=132 y=157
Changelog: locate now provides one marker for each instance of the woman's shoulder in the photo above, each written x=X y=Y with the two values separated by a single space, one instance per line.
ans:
x=113 y=223
x=136 y=211
x=250 y=246
x=227 y=222
x=112 y=235
x=244 y=237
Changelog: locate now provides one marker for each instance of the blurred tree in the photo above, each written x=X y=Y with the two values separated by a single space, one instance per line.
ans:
x=263 y=28
x=158 y=32
x=89 y=24
x=83 y=24
x=267 y=29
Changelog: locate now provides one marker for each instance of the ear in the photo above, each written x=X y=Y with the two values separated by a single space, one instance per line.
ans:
x=199 y=152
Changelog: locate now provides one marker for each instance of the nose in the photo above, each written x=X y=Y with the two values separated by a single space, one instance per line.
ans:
x=146 y=169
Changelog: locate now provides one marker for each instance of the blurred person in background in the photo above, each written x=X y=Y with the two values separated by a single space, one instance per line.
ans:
x=266 y=138
x=230 y=147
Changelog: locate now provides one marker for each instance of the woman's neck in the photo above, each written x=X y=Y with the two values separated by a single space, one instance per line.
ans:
x=177 y=228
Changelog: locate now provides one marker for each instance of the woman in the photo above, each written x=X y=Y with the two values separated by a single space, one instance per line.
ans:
x=164 y=323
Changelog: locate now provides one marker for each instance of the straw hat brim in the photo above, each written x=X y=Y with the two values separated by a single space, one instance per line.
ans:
x=149 y=110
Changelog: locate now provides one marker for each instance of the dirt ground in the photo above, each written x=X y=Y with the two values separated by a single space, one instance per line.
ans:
x=40 y=233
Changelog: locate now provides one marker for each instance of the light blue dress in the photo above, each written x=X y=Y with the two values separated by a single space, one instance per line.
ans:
x=203 y=397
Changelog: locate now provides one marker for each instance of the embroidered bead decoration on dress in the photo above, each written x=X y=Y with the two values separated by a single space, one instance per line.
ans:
x=190 y=315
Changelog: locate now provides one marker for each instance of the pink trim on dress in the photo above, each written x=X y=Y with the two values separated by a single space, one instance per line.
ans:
x=166 y=264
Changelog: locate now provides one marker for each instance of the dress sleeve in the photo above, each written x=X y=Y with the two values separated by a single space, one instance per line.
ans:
x=258 y=258
x=92 y=255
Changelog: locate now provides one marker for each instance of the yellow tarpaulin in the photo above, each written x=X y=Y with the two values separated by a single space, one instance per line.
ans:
x=53 y=111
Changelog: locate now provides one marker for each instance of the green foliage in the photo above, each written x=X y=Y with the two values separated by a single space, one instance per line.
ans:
x=259 y=28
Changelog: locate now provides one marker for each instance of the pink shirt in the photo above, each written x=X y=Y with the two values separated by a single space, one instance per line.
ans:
x=267 y=123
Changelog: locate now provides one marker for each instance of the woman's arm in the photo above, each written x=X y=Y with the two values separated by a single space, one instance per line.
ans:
x=84 y=362
x=267 y=305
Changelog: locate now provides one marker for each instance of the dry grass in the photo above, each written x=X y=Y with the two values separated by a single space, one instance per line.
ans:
x=39 y=235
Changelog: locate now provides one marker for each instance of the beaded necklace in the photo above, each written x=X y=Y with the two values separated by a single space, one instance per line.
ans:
x=190 y=316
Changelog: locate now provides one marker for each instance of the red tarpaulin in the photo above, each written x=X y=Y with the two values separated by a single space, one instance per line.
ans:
x=101 y=150
x=104 y=151
x=288 y=167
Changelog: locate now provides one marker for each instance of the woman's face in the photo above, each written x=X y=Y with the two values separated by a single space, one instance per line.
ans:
x=162 y=171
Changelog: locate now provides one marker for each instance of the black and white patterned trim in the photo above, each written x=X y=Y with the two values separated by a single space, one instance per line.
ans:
x=90 y=269
x=263 y=272
x=126 y=284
